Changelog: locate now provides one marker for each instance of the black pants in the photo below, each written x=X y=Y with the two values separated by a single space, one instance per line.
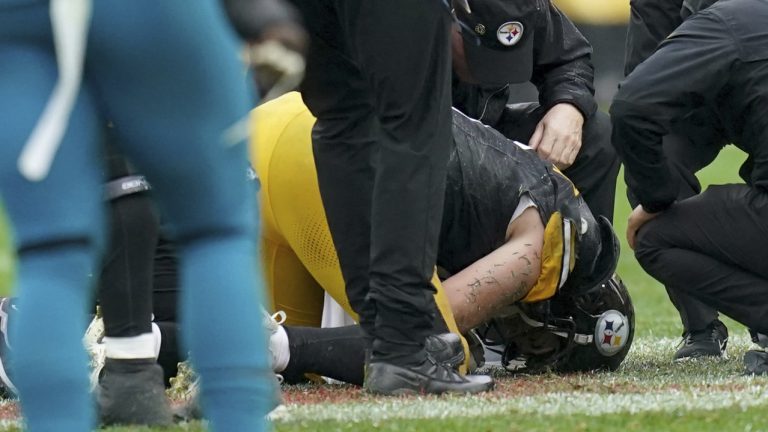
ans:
x=378 y=81
x=125 y=284
x=596 y=167
x=711 y=248
x=693 y=145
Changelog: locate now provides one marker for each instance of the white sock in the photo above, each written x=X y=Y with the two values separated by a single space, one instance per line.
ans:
x=278 y=347
x=158 y=338
x=134 y=347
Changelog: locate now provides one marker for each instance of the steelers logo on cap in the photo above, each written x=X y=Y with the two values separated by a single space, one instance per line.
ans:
x=510 y=33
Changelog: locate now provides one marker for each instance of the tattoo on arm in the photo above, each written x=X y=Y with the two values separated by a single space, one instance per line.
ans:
x=471 y=295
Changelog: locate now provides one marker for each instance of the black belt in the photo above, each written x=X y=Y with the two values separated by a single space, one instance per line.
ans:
x=125 y=186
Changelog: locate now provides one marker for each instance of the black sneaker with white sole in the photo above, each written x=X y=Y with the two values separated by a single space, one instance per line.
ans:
x=428 y=377
x=709 y=342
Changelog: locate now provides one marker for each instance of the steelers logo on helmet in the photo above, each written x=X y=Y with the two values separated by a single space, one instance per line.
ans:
x=611 y=332
x=510 y=33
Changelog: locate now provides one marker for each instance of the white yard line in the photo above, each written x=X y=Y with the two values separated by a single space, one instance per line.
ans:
x=673 y=389
x=593 y=404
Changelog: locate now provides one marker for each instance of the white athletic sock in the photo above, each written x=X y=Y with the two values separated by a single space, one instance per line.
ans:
x=134 y=347
x=278 y=347
x=158 y=338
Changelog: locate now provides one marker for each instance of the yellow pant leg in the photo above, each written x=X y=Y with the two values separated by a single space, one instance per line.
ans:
x=290 y=286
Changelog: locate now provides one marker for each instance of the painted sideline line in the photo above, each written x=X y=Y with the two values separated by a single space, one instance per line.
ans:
x=593 y=404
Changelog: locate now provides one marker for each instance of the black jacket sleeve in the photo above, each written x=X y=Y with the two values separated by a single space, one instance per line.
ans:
x=688 y=70
x=251 y=17
x=562 y=69
x=650 y=21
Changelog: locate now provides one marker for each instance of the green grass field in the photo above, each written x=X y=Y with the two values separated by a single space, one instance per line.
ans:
x=648 y=393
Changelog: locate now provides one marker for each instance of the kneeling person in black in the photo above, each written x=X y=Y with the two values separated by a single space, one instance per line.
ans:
x=690 y=145
x=709 y=247
x=506 y=43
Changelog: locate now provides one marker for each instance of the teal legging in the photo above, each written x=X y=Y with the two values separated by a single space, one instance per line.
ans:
x=166 y=74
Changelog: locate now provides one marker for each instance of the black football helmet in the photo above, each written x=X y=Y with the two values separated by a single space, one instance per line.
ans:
x=590 y=331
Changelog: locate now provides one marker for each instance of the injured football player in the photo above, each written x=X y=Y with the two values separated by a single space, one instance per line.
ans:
x=521 y=259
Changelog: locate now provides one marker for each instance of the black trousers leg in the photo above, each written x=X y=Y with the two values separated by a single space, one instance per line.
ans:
x=378 y=80
x=125 y=284
x=343 y=143
x=596 y=167
x=711 y=248
x=165 y=296
x=414 y=110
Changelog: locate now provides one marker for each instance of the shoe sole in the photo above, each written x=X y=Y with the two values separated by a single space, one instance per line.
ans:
x=434 y=391
x=399 y=385
x=722 y=356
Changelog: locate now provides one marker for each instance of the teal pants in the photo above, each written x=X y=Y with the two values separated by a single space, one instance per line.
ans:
x=166 y=74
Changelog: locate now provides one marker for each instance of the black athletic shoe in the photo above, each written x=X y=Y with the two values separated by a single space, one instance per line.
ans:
x=446 y=348
x=710 y=342
x=428 y=377
x=756 y=362
x=131 y=392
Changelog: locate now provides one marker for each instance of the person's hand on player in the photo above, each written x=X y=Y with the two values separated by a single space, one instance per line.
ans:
x=557 y=138
x=636 y=220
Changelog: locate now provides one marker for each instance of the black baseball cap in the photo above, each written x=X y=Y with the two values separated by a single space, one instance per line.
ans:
x=498 y=38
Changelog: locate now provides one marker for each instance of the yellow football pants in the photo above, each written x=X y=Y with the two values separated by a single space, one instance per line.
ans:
x=298 y=256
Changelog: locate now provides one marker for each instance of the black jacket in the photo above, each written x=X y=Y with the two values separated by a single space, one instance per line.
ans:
x=717 y=60
x=651 y=21
x=562 y=72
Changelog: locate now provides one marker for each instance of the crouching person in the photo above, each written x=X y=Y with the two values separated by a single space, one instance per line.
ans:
x=709 y=247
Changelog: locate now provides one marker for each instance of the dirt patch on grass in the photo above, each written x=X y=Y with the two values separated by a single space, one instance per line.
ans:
x=507 y=386
x=511 y=387
x=9 y=410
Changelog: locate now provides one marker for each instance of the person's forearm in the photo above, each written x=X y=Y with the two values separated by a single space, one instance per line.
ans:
x=563 y=70
x=637 y=138
x=499 y=279
x=570 y=83
x=688 y=70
